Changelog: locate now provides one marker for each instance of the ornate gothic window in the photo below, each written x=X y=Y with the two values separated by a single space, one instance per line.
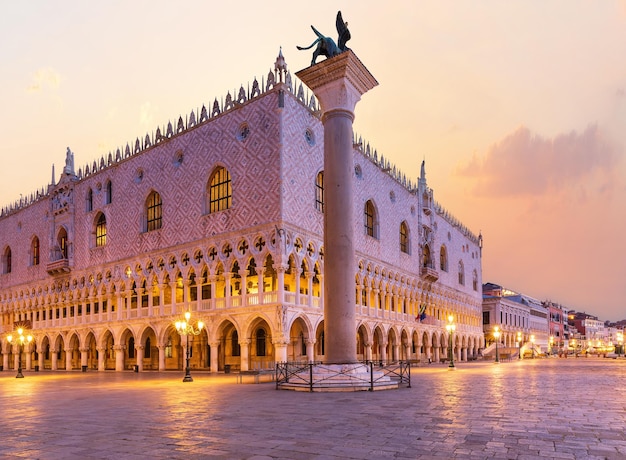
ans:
x=89 y=201
x=371 y=224
x=404 y=238
x=101 y=230
x=426 y=262
x=108 y=197
x=220 y=190
x=7 y=260
x=475 y=280
x=319 y=191
x=461 y=273
x=34 y=252
x=154 y=212
x=61 y=250
x=443 y=259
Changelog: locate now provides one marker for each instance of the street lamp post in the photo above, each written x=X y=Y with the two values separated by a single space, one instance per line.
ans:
x=21 y=339
x=519 y=345
x=185 y=328
x=551 y=342
x=496 y=335
x=450 y=327
x=620 y=339
x=532 y=344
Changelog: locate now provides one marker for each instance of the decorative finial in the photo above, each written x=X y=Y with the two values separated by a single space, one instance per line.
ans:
x=280 y=66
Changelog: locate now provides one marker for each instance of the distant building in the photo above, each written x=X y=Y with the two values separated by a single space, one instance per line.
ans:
x=517 y=316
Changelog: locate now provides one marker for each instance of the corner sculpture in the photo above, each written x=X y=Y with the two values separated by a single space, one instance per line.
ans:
x=326 y=46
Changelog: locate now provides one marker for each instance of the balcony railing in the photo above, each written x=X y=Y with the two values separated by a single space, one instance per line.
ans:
x=429 y=273
x=58 y=267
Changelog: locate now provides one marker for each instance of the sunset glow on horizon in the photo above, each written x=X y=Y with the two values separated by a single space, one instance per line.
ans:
x=518 y=109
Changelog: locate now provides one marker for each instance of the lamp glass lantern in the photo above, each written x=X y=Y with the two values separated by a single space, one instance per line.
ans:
x=450 y=327
x=186 y=328
x=20 y=340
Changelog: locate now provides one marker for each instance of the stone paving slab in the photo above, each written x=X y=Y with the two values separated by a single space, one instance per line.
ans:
x=543 y=408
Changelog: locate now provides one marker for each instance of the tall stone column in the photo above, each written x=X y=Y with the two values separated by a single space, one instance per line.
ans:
x=338 y=83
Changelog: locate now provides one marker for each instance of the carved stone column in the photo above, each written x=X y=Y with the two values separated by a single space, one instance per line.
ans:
x=338 y=83
x=119 y=357
x=368 y=351
x=29 y=356
x=68 y=358
x=244 y=348
x=310 y=350
x=55 y=359
x=280 y=350
x=215 y=347
x=140 y=349
x=161 y=349
x=84 y=355
x=101 y=358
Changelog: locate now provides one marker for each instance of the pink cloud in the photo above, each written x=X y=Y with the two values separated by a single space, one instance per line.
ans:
x=525 y=164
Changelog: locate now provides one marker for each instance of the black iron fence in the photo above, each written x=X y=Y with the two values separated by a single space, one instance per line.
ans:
x=314 y=376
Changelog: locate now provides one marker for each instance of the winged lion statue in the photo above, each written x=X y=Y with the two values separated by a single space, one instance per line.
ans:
x=326 y=46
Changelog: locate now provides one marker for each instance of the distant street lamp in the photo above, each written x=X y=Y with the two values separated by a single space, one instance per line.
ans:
x=620 y=339
x=519 y=344
x=450 y=327
x=185 y=328
x=21 y=339
x=496 y=335
x=551 y=342
x=532 y=343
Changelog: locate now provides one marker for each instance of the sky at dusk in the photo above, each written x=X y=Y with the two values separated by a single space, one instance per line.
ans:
x=518 y=108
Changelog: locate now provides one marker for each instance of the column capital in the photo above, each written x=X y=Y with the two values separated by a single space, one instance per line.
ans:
x=338 y=82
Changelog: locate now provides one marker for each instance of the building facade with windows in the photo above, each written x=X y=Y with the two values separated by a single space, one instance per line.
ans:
x=221 y=214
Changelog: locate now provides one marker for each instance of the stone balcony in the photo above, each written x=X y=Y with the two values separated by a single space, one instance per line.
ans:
x=58 y=267
x=429 y=274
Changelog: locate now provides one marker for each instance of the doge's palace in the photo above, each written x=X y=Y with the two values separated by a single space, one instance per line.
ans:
x=220 y=214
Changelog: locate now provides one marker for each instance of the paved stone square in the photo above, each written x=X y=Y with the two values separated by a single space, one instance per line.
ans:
x=543 y=408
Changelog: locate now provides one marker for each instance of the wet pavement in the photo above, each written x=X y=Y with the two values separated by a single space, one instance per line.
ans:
x=542 y=408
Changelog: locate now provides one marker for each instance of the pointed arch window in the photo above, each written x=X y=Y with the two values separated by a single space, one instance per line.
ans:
x=220 y=190
x=7 y=260
x=61 y=250
x=404 y=238
x=101 y=230
x=154 y=212
x=35 y=256
x=319 y=191
x=370 y=219
x=426 y=262
x=461 y=273
x=443 y=258
x=475 y=280
x=89 y=201
x=108 y=196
